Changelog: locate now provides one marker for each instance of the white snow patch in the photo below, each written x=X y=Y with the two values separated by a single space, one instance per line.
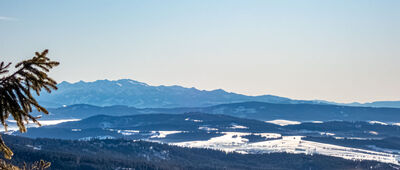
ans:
x=377 y=122
x=54 y=122
x=34 y=147
x=238 y=127
x=12 y=126
x=128 y=132
x=207 y=128
x=396 y=124
x=193 y=120
x=50 y=122
x=283 y=122
x=327 y=133
x=125 y=132
x=373 y=132
x=163 y=134
x=317 y=122
x=64 y=105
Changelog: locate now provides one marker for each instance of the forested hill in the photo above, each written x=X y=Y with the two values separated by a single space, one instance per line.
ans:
x=251 y=110
x=123 y=154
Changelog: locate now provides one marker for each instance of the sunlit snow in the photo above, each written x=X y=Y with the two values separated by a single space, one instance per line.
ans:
x=34 y=147
x=377 y=122
x=13 y=127
x=207 y=128
x=54 y=122
x=238 y=127
x=233 y=142
x=317 y=122
x=163 y=134
x=373 y=132
x=283 y=122
x=327 y=133
x=193 y=120
x=396 y=124
x=228 y=142
x=128 y=132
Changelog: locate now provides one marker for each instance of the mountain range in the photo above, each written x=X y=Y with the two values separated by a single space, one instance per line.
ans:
x=141 y=95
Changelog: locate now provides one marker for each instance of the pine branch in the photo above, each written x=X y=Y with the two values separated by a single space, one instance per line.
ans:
x=16 y=91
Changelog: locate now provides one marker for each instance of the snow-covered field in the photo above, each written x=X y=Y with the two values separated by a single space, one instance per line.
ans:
x=12 y=126
x=163 y=134
x=234 y=142
x=237 y=142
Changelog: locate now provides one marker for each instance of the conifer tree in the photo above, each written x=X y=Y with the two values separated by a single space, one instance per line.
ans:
x=16 y=90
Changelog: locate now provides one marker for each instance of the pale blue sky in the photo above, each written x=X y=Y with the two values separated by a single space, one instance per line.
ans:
x=338 y=50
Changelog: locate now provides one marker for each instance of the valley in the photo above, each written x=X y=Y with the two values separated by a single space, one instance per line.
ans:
x=239 y=135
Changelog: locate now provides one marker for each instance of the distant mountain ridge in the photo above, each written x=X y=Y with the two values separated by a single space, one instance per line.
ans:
x=141 y=95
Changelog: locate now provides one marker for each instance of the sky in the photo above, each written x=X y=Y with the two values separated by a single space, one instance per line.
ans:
x=336 y=50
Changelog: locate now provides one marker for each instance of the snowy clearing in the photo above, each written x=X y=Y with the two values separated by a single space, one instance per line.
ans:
x=233 y=142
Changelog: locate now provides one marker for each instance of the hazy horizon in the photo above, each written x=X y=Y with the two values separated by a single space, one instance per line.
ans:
x=341 y=51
